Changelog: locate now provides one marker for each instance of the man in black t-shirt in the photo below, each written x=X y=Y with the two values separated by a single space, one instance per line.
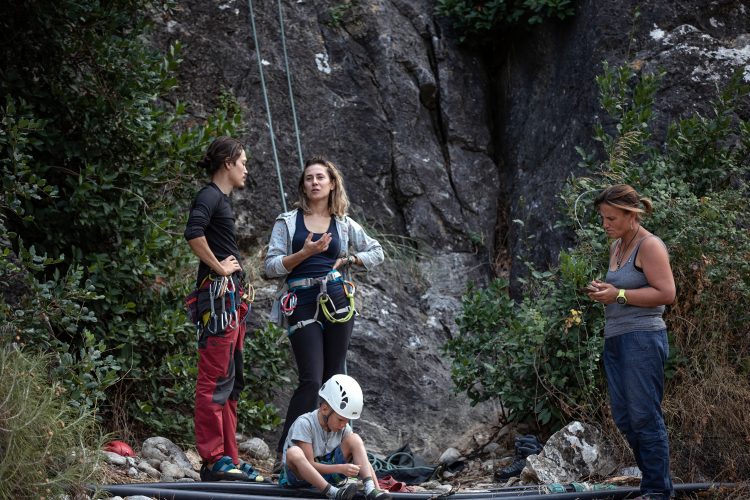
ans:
x=211 y=234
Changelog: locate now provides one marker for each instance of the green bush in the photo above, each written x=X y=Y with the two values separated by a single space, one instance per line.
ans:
x=538 y=357
x=47 y=448
x=98 y=169
x=520 y=351
x=474 y=18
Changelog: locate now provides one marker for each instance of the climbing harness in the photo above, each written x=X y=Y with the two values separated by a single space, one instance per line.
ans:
x=289 y=300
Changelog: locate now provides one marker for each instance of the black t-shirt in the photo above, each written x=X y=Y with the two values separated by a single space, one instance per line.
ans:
x=211 y=216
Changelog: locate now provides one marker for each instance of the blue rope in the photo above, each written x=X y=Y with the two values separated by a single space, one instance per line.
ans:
x=268 y=107
x=289 y=82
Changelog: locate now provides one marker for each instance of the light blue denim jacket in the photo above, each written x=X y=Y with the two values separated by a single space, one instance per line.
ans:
x=351 y=235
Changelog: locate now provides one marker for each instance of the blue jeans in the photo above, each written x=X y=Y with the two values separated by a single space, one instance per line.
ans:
x=290 y=480
x=634 y=363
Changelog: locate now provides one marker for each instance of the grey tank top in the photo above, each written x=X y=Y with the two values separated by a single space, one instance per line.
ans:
x=626 y=318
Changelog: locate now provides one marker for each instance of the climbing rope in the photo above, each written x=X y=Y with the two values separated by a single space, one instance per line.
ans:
x=289 y=83
x=268 y=107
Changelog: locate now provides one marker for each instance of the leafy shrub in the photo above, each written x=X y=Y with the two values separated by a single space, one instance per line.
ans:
x=516 y=351
x=538 y=357
x=46 y=444
x=98 y=171
x=478 y=17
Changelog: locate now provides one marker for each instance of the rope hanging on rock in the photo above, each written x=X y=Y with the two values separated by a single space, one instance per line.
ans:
x=268 y=107
x=289 y=83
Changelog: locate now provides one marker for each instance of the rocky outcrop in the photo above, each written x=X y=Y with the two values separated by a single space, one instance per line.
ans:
x=548 y=100
x=438 y=144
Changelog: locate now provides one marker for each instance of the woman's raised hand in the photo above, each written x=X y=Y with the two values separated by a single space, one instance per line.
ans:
x=315 y=247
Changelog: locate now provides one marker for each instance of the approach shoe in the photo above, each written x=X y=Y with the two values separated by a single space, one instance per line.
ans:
x=512 y=470
x=223 y=470
x=252 y=475
x=346 y=492
x=377 y=494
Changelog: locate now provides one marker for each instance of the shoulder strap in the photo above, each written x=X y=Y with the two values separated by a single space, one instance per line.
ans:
x=638 y=247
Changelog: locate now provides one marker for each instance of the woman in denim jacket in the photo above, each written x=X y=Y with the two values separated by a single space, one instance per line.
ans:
x=308 y=247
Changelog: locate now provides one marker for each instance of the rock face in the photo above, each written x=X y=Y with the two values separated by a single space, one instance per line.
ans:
x=438 y=144
x=548 y=99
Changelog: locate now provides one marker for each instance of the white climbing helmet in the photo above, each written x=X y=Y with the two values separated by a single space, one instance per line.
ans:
x=344 y=395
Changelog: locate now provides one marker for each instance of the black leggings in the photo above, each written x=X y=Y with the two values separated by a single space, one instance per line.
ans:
x=320 y=353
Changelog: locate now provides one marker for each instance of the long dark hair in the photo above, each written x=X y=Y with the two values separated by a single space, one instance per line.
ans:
x=222 y=150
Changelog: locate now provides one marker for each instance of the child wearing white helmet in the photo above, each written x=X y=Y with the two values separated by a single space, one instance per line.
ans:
x=321 y=449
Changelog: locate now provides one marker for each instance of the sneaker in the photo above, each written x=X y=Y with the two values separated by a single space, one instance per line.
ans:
x=252 y=475
x=513 y=470
x=377 y=494
x=347 y=492
x=223 y=470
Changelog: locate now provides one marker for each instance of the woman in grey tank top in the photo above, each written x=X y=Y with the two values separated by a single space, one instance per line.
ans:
x=639 y=283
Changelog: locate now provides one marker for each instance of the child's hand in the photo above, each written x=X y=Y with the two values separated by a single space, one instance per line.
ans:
x=349 y=470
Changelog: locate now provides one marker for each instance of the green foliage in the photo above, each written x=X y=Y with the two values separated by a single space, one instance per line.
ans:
x=98 y=169
x=539 y=355
x=478 y=17
x=46 y=444
x=338 y=11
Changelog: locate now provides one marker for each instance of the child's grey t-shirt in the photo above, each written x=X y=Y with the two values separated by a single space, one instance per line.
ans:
x=308 y=430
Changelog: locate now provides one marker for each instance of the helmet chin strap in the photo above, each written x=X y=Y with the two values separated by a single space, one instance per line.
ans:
x=325 y=420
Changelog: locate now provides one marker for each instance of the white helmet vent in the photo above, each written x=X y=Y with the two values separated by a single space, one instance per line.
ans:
x=344 y=398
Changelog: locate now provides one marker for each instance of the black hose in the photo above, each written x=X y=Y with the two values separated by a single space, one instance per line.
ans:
x=173 y=494
x=235 y=490
x=280 y=491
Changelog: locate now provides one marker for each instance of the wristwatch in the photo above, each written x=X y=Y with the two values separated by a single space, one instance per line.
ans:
x=621 y=298
x=351 y=260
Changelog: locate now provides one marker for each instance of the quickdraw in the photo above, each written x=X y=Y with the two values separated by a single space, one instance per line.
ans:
x=222 y=288
x=288 y=303
x=324 y=298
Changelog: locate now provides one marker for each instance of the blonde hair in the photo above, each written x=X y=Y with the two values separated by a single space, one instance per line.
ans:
x=626 y=198
x=338 y=202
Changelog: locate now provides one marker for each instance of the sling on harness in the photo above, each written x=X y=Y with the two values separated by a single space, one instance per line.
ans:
x=289 y=300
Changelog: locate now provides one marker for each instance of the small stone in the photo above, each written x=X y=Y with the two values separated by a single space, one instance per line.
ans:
x=450 y=456
x=114 y=458
x=256 y=448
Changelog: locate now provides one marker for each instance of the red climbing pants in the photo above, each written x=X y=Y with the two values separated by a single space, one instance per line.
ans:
x=220 y=381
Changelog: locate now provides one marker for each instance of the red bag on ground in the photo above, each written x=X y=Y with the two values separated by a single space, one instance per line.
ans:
x=389 y=484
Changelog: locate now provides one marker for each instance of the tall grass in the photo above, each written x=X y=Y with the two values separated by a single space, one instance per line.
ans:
x=47 y=448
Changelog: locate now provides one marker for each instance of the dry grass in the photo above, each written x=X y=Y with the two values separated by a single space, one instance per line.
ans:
x=707 y=402
x=48 y=448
